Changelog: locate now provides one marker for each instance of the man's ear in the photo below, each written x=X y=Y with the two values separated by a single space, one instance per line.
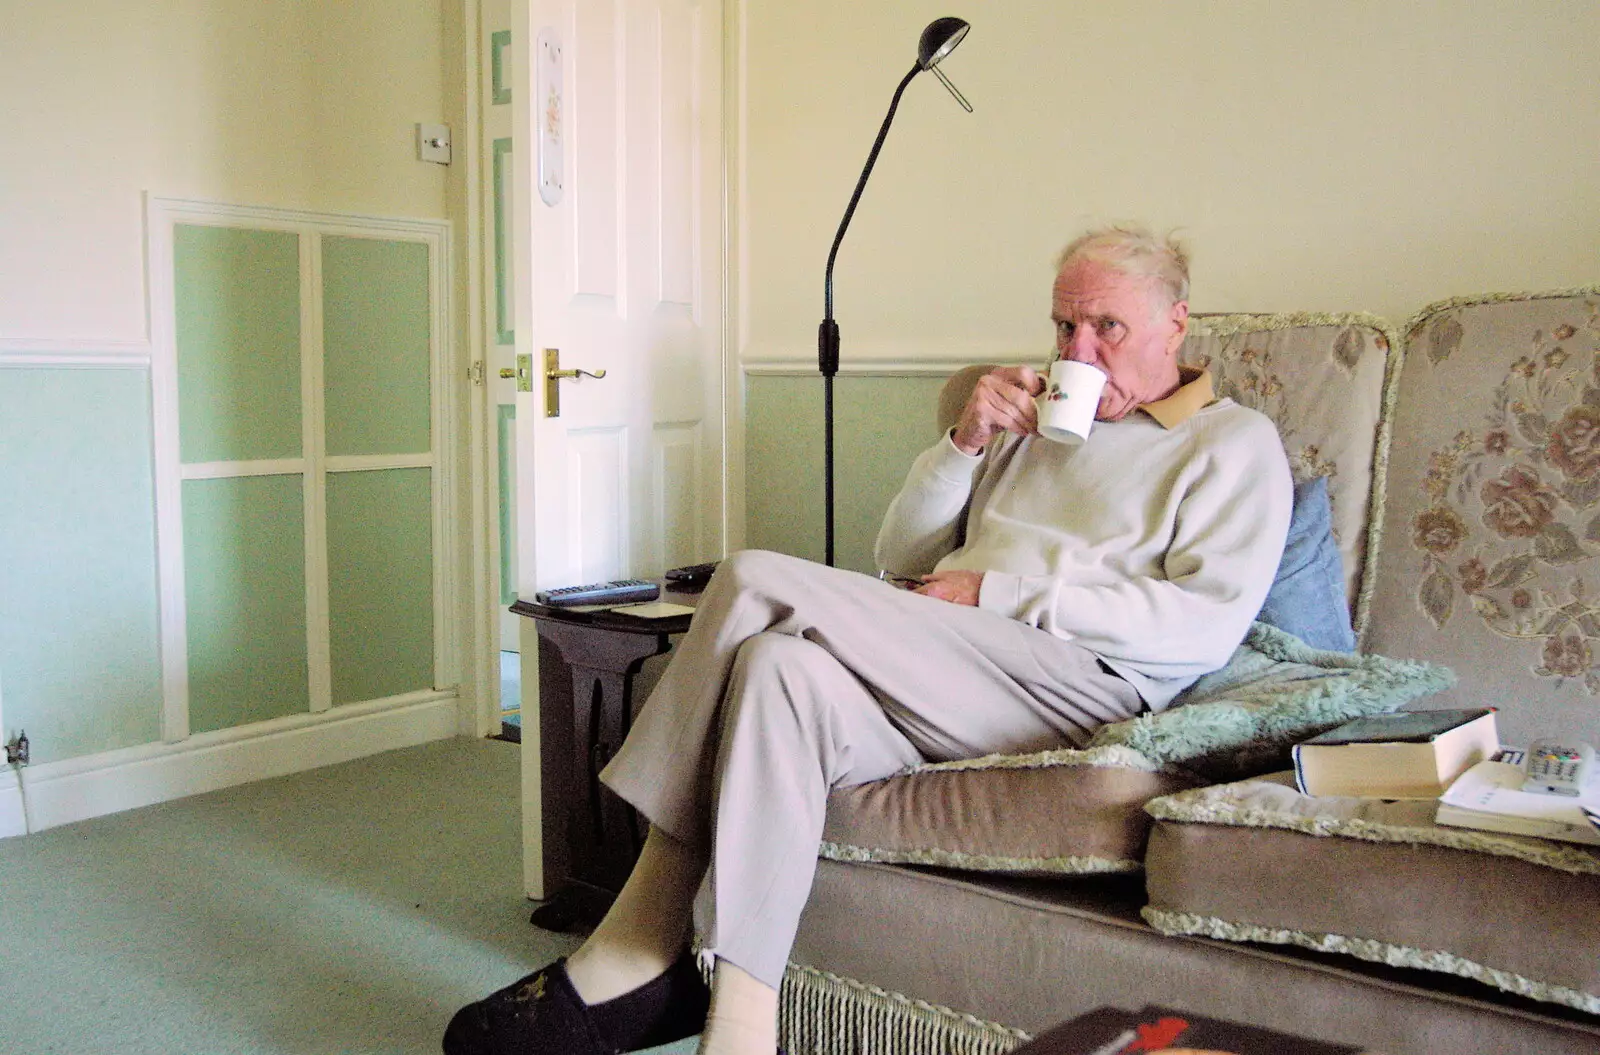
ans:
x=1178 y=315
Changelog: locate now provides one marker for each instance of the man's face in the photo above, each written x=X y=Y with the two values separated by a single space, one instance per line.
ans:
x=1122 y=325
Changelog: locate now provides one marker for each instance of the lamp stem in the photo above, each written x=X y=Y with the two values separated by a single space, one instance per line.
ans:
x=828 y=332
x=827 y=463
x=861 y=184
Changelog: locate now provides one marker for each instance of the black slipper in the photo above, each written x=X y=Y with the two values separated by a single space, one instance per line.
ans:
x=542 y=1014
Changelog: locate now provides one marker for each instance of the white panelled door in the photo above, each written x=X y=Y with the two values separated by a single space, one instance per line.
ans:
x=618 y=242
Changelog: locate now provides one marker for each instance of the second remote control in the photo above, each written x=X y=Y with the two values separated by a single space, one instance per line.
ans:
x=618 y=591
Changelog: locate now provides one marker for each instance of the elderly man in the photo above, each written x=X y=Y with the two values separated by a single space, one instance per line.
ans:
x=1059 y=588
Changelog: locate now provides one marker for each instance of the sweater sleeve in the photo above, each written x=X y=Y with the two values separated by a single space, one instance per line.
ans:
x=924 y=521
x=1228 y=531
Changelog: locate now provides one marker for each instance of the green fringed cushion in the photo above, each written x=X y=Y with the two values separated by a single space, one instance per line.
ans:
x=1258 y=861
x=1082 y=812
x=1276 y=690
x=1063 y=812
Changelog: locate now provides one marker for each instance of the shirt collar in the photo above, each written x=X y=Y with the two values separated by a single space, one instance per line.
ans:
x=1194 y=394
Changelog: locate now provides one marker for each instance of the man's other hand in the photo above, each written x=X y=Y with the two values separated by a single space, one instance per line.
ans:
x=957 y=587
x=1001 y=401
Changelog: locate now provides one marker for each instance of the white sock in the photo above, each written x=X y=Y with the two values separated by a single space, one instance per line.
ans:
x=744 y=1015
x=647 y=928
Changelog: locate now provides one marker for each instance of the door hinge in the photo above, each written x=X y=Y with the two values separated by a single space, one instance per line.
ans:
x=475 y=372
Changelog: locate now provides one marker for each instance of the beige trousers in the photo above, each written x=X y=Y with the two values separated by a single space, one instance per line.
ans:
x=796 y=678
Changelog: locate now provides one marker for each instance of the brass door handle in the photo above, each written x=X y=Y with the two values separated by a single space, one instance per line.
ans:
x=553 y=373
x=556 y=374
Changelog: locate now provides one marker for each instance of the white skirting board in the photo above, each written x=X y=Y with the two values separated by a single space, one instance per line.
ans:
x=11 y=822
x=95 y=785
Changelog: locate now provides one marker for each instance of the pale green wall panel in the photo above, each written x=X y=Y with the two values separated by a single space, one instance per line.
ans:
x=380 y=582
x=375 y=345
x=783 y=464
x=245 y=582
x=237 y=296
x=880 y=425
x=79 y=641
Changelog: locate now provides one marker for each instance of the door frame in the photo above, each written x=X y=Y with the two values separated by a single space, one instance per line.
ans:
x=484 y=298
x=481 y=335
x=728 y=406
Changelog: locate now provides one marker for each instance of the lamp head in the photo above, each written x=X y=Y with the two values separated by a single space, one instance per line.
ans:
x=939 y=40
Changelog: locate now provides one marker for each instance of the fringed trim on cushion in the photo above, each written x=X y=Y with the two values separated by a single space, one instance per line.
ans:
x=1203 y=325
x=1201 y=806
x=1473 y=300
x=1378 y=497
x=1070 y=865
x=1168 y=922
x=1114 y=755
x=826 y=1014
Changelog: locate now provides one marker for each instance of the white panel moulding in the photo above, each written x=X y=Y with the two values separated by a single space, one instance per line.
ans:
x=450 y=427
x=112 y=355
x=359 y=463
x=339 y=463
x=678 y=477
x=599 y=515
x=313 y=440
x=162 y=214
x=232 y=470
x=161 y=217
x=859 y=368
x=592 y=143
x=677 y=148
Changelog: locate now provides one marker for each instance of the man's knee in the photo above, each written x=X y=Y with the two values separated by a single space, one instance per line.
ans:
x=759 y=569
x=770 y=652
x=769 y=667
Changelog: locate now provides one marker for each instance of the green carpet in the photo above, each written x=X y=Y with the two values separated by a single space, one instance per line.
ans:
x=350 y=909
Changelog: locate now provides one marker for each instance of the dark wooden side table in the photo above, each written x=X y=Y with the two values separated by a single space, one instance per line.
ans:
x=587 y=664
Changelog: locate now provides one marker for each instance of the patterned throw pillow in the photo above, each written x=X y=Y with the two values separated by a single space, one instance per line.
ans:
x=1307 y=598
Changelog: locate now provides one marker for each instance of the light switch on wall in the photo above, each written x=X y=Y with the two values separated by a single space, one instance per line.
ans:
x=433 y=143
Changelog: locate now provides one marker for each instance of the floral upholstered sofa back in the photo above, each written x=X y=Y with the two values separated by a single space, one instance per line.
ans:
x=1489 y=551
x=1320 y=378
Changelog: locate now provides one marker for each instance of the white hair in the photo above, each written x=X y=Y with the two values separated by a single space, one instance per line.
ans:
x=1133 y=250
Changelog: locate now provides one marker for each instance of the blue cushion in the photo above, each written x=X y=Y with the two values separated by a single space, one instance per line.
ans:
x=1307 y=598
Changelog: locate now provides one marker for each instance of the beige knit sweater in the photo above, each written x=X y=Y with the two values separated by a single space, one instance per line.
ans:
x=1152 y=547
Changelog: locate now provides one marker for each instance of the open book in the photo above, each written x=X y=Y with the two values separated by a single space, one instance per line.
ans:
x=1489 y=797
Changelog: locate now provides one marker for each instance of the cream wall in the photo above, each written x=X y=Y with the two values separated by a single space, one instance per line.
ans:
x=1348 y=156
x=294 y=103
x=302 y=104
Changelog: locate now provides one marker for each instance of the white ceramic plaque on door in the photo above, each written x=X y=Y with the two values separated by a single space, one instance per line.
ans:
x=551 y=104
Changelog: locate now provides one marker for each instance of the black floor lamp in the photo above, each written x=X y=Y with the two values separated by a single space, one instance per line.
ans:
x=938 y=40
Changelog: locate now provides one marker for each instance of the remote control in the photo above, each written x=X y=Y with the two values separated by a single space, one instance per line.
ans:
x=1558 y=767
x=692 y=574
x=618 y=591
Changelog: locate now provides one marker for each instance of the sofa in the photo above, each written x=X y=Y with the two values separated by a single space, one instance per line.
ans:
x=965 y=907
